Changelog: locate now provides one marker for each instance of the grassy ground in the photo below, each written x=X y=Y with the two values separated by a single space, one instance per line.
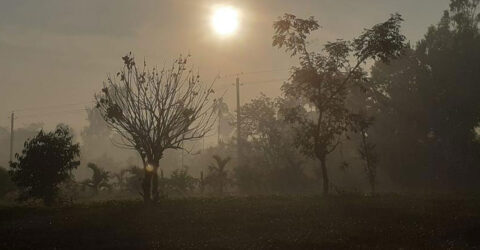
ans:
x=385 y=222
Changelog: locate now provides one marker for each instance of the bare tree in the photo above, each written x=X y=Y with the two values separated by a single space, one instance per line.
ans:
x=154 y=110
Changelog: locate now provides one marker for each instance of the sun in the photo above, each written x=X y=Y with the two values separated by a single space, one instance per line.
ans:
x=225 y=20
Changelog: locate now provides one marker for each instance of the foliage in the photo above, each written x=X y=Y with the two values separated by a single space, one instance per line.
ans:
x=69 y=191
x=366 y=149
x=217 y=177
x=99 y=179
x=45 y=162
x=271 y=156
x=250 y=179
x=431 y=106
x=181 y=183
x=6 y=184
x=323 y=80
x=154 y=110
x=21 y=135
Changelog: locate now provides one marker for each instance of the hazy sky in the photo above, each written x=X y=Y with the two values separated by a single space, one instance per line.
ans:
x=58 y=52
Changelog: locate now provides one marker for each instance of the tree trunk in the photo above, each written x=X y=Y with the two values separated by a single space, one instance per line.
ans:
x=147 y=187
x=155 y=194
x=326 y=183
x=150 y=183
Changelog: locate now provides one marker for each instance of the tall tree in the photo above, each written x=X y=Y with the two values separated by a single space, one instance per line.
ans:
x=45 y=162
x=154 y=110
x=323 y=79
x=426 y=123
x=366 y=149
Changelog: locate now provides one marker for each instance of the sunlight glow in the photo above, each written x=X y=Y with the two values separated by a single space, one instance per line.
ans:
x=225 y=20
x=149 y=168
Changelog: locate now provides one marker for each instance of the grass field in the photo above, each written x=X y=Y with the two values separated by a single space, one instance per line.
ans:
x=384 y=222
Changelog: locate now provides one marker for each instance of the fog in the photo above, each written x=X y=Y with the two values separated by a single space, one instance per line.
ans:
x=273 y=124
x=54 y=55
x=57 y=53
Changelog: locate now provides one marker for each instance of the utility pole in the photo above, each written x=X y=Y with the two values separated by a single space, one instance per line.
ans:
x=12 y=117
x=239 y=142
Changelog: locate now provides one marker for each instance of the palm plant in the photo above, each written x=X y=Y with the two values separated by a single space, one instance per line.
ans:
x=99 y=178
x=218 y=176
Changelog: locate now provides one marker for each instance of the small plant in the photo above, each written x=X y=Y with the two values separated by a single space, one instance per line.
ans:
x=181 y=183
x=99 y=178
x=218 y=176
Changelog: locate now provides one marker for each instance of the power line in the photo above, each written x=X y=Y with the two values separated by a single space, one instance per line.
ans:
x=266 y=81
x=53 y=106
x=252 y=73
x=71 y=111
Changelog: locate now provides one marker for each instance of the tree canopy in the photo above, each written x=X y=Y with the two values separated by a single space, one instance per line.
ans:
x=45 y=162
x=154 y=110
x=323 y=80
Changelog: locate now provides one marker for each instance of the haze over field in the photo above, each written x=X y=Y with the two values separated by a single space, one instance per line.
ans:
x=55 y=52
x=240 y=124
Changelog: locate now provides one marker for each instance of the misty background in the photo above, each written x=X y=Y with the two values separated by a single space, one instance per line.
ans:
x=55 y=54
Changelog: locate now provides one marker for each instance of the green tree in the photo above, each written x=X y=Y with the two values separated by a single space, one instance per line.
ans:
x=427 y=119
x=323 y=79
x=45 y=162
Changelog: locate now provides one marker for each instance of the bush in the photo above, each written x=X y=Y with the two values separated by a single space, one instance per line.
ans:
x=46 y=161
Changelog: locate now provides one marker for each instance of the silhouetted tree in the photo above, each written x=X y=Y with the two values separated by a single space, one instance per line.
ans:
x=323 y=79
x=99 y=180
x=427 y=119
x=155 y=110
x=366 y=149
x=46 y=161
x=218 y=175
